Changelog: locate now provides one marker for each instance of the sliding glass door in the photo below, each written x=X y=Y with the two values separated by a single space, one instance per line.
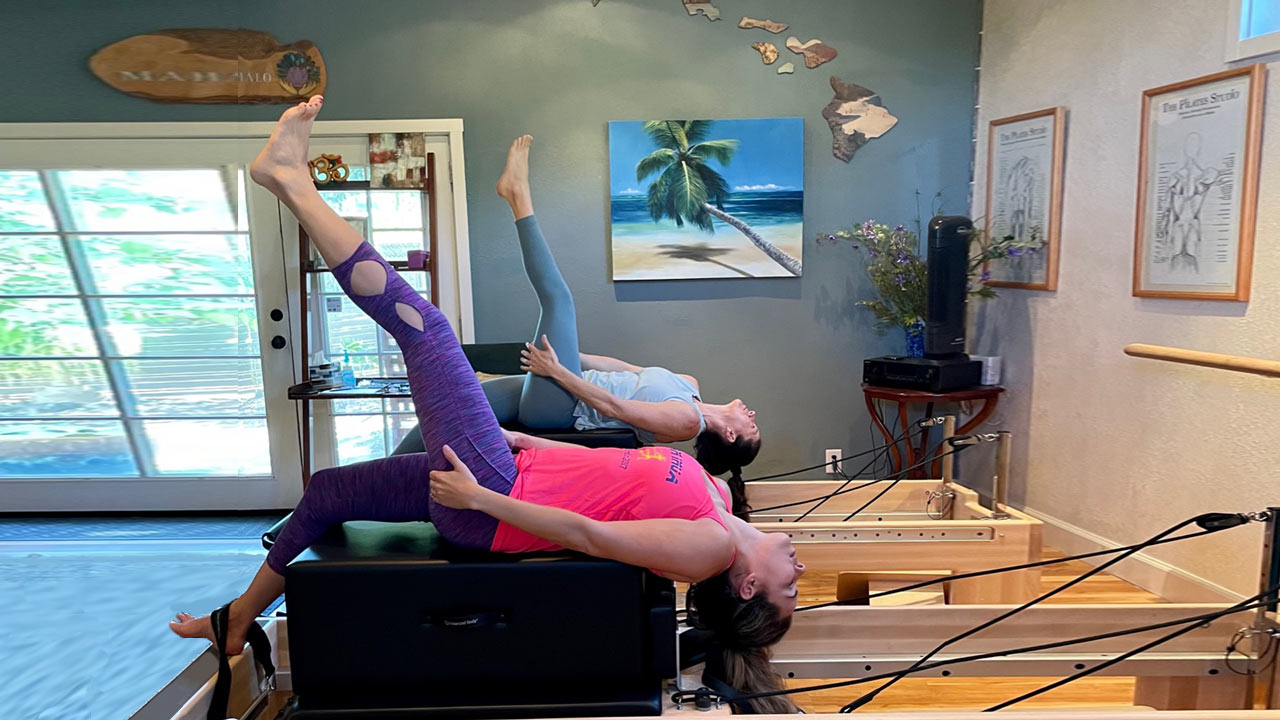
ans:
x=145 y=340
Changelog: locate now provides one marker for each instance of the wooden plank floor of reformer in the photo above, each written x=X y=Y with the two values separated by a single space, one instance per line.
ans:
x=971 y=693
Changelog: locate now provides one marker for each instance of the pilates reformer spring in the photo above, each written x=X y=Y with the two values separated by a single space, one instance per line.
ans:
x=1209 y=523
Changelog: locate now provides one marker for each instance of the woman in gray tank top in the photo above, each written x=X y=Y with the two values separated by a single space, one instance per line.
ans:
x=594 y=391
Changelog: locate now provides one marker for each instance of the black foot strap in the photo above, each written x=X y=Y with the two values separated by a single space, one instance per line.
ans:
x=261 y=654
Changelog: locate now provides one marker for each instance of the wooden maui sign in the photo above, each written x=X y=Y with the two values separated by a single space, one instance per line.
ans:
x=211 y=66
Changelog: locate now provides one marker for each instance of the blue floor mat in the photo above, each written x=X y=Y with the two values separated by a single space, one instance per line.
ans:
x=85 y=624
x=135 y=528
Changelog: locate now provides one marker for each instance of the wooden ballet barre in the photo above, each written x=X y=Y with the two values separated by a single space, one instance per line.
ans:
x=1220 y=361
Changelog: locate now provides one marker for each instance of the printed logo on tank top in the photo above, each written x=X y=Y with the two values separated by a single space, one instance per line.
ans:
x=677 y=464
x=646 y=453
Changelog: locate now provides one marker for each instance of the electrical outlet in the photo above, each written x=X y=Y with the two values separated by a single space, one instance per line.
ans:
x=832 y=459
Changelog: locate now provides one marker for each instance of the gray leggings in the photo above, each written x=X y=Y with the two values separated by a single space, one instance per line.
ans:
x=534 y=401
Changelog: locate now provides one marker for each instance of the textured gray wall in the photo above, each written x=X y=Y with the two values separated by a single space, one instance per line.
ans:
x=561 y=69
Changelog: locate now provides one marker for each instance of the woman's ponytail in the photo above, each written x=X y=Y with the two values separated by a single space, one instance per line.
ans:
x=738 y=494
x=745 y=630
x=749 y=671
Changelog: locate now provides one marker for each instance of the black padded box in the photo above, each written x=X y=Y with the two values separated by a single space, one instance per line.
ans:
x=387 y=620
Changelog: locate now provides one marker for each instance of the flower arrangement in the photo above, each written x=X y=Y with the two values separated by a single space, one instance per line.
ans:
x=898 y=272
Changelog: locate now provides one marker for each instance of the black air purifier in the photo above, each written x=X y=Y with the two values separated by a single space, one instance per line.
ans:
x=945 y=366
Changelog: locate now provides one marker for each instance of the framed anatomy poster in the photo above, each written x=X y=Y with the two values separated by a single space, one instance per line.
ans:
x=1024 y=196
x=1198 y=187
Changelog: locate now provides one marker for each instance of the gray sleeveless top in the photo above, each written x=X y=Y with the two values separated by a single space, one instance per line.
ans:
x=651 y=384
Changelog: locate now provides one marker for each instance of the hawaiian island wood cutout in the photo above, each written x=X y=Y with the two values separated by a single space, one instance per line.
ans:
x=207 y=65
x=768 y=52
x=815 y=51
x=703 y=8
x=750 y=23
x=855 y=116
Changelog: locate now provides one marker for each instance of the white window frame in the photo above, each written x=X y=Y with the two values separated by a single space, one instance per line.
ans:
x=348 y=135
x=454 y=213
x=1238 y=49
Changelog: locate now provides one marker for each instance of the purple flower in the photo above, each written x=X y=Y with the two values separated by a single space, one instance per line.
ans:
x=900 y=228
x=1015 y=251
x=902 y=258
x=900 y=280
x=986 y=275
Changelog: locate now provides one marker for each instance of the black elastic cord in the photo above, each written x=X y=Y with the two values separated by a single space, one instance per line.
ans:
x=848 y=479
x=1122 y=657
x=909 y=468
x=868 y=697
x=876 y=449
x=901 y=474
x=1252 y=604
x=995 y=571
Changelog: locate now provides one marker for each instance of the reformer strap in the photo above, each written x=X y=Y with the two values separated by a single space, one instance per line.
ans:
x=261 y=646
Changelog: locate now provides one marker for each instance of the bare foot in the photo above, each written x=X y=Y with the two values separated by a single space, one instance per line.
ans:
x=283 y=161
x=513 y=185
x=190 y=626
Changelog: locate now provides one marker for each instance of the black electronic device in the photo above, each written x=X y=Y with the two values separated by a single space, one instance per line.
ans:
x=945 y=366
x=927 y=374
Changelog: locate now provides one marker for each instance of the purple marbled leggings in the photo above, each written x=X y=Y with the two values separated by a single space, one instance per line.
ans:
x=452 y=410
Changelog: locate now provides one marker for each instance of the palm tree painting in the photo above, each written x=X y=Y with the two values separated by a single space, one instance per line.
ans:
x=706 y=198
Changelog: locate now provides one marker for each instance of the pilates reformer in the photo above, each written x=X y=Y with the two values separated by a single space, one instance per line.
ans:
x=858 y=643
x=912 y=526
x=1190 y=669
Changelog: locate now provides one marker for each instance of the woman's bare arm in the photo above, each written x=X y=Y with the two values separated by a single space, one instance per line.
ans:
x=687 y=549
x=524 y=441
x=606 y=364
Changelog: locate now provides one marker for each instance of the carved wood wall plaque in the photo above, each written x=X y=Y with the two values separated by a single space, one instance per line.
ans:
x=217 y=66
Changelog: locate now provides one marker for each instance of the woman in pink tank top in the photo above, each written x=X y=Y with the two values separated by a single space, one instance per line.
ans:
x=657 y=508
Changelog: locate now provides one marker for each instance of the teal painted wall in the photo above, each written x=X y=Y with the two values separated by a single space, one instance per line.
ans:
x=561 y=69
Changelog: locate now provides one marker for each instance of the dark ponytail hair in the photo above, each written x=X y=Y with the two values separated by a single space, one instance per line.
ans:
x=745 y=630
x=719 y=456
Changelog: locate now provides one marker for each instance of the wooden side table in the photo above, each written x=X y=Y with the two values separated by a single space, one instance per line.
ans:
x=912 y=454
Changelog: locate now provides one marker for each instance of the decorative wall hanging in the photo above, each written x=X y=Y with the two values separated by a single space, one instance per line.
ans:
x=768 y=52
x=1024 y=195
x=855 y=116
x=1198 y=187
x=211 y=66
x=328 y=168
x=706 y=198
x=786 y=68
x=702 y=7
x=398 y=160
x=747 y=23
x=815 y=51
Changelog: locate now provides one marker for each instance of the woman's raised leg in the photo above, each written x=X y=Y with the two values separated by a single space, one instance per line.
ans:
x=543 y=403
x=450 y=405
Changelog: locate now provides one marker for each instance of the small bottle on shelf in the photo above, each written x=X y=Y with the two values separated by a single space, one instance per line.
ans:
x=348 y=375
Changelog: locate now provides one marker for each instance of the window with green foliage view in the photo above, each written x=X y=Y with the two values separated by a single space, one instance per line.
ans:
x=129 y=344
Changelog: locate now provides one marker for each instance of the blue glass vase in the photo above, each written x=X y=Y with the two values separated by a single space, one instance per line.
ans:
x=915 y=339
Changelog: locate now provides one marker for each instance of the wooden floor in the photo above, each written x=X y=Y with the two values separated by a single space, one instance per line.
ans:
x=980 y=693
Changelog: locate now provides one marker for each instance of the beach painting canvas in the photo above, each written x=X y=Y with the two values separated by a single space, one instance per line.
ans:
x=706 y=198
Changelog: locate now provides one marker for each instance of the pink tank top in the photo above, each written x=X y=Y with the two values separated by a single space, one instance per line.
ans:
x=608 y=484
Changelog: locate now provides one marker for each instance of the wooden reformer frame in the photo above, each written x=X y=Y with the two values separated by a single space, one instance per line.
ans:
x=917 y=525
